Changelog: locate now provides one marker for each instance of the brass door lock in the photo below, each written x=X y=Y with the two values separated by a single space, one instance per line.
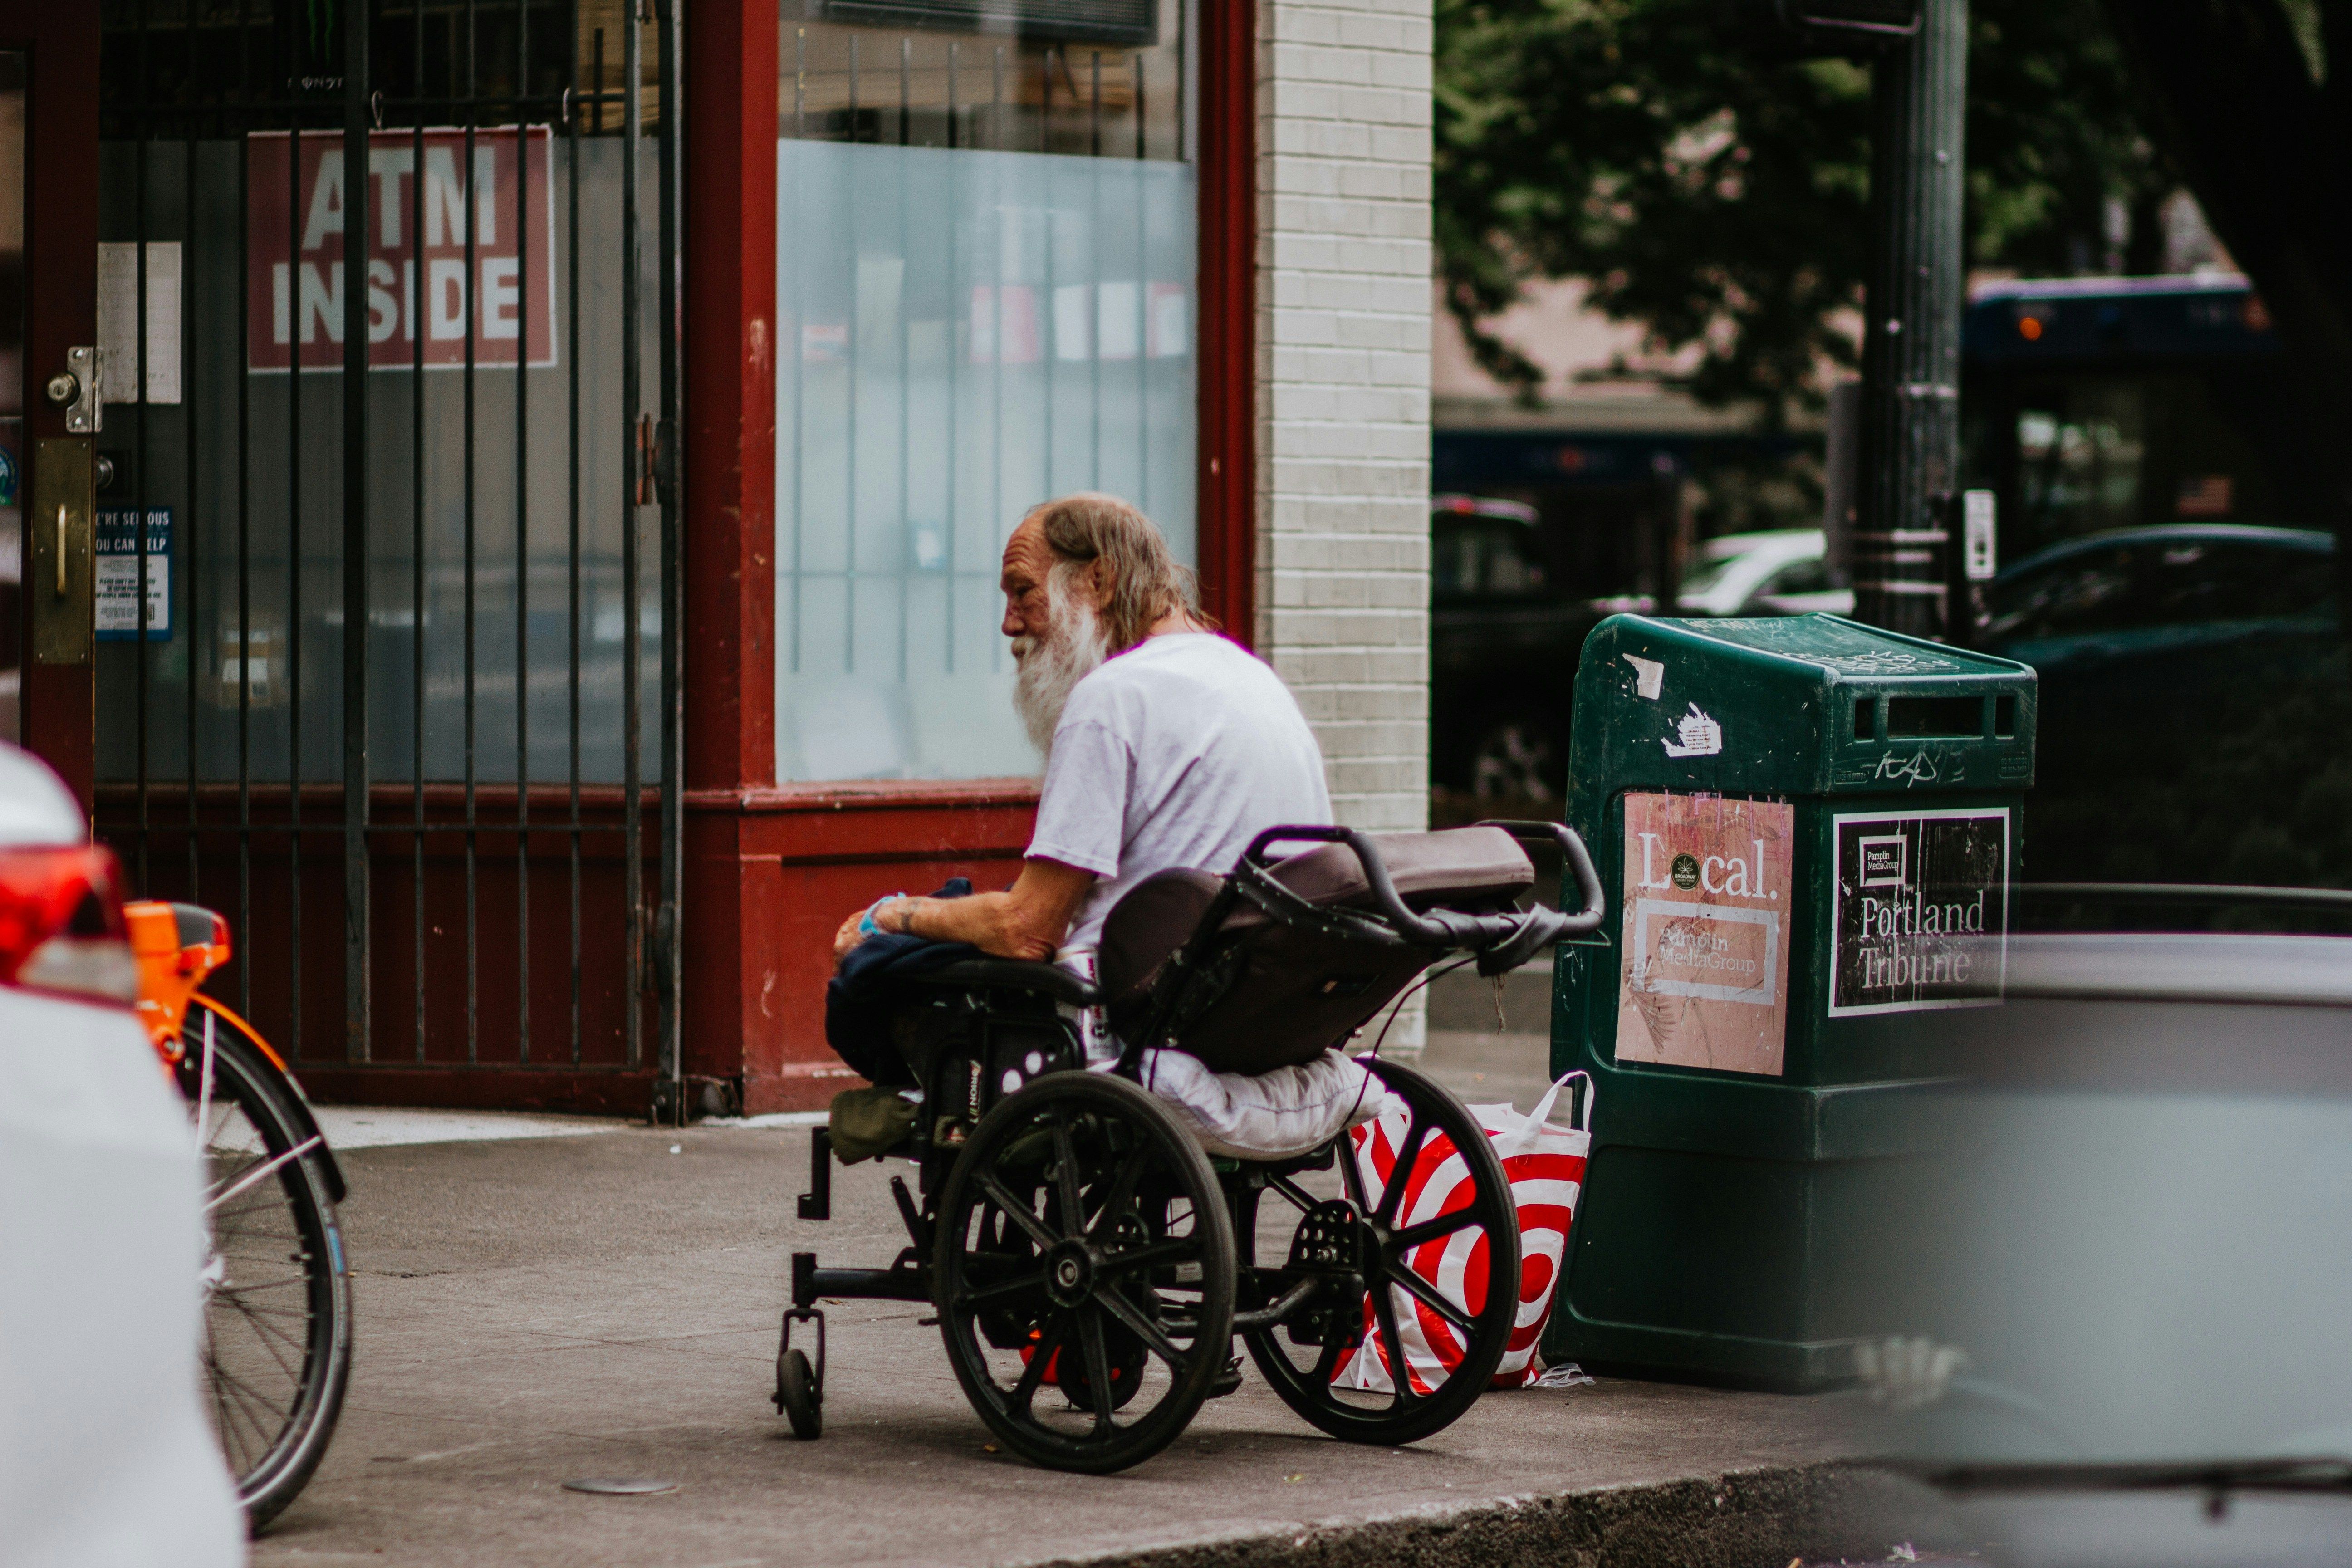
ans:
x=76 y=389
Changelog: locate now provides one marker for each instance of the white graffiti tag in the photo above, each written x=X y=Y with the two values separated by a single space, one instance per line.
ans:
x=1915 y=769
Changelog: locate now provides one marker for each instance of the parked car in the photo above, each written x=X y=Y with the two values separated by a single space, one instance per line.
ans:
x=1504 y=640
x=1784 y=571
x=109 y=1459
x=2193 y=689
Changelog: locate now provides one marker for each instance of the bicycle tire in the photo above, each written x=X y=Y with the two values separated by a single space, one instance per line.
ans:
x=253 y=1216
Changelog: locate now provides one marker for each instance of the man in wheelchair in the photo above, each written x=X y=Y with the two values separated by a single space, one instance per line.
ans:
x=1095 y=1140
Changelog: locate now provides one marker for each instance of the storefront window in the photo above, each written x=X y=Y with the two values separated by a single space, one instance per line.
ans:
x=986 y=249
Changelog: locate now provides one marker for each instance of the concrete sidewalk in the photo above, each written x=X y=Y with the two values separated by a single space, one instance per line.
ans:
x=541 y=1309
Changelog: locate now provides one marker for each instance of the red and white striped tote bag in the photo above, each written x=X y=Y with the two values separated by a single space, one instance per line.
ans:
x=1545 y=1165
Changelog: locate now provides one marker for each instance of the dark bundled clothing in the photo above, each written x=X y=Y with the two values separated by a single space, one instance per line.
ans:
x=859 y=997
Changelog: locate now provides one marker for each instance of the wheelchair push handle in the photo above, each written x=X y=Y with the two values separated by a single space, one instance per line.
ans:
x=1580 y=863
x=1528 y=930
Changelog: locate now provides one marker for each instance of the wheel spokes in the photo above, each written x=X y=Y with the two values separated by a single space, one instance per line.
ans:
x=1143 y=1327
x=1429 y=1230
x=1041 y=1356
x=1392 y=1343
x=1428 y=1296
x=1015 y=1210
x=1066 y=1164
x=1122 y=1190
x=1176 y=1249
x=1091 y=1334
x=1408 y=1153
x=970 y=1301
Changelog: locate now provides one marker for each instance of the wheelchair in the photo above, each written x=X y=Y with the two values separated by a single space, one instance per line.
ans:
x=1089 y=1263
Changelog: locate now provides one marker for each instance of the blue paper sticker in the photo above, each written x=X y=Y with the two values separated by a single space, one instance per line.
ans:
x=7 y=477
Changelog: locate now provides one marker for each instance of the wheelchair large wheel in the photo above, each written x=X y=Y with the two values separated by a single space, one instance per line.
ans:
x=1430 y=1261
x=1085 y=1273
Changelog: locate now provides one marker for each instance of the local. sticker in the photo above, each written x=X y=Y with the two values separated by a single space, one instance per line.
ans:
x=1705 y=980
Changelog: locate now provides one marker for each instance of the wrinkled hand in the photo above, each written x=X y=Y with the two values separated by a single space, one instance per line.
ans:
x=848 y=936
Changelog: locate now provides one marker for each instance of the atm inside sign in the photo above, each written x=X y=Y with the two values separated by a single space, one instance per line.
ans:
x=460 y=254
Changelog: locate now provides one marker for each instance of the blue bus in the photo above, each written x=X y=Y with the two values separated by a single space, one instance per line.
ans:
x=2097 y=402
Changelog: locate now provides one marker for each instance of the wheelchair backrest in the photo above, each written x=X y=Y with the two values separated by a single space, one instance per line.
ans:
x=1259 y=992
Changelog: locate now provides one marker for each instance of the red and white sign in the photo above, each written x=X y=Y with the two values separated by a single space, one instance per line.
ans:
x=419 y=285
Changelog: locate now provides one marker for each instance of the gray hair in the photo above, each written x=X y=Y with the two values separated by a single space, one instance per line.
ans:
x=1147 y=582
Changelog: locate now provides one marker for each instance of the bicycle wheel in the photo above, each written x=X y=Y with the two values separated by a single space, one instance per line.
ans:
x=277 y=1302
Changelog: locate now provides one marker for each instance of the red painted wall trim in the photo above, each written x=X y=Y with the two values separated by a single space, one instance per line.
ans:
x=1228 y=288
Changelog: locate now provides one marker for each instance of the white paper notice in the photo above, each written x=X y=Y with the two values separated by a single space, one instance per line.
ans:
x=118 y=321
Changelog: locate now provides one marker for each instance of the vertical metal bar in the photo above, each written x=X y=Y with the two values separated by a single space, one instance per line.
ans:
x=358 y=239
x=1095 y=272
x=190 y=401
x=673 y=625
x=414 y=289
x=905 y=364
x=853 y=89
x=800 y=82
x=996 y=103
x=466 y=184
x=632 y=865
x=522 y=538
x=955 y=375
x=598 y=100
x=798 y=348
x=1142 y=305
x=244 y=536
x=572 y=472
x=294 y=573
x=905 y=70
x=137 y=476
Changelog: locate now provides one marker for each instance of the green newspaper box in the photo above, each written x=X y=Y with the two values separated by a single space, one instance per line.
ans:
x=1807 y=828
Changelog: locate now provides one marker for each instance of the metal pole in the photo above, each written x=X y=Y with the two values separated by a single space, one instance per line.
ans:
x=358 y=123
x=1911 y=350
x=669 y=483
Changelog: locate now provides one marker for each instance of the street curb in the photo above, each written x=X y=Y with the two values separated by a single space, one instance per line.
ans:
x=1745 y=1519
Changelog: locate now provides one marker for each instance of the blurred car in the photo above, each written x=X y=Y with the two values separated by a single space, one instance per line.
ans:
x=2121 y=1304
x=2192 y=685
x=109 y=1459
x=1504 y=640
x=2135 y=594
x=1783 y=572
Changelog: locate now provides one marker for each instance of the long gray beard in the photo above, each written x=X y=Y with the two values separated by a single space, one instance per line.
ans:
x=1050 y=669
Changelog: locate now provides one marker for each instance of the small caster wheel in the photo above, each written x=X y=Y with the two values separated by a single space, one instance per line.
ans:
x=799 y=1395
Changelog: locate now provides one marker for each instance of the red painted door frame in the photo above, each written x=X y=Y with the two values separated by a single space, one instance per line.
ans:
x=60 y=311
x=1227 y=482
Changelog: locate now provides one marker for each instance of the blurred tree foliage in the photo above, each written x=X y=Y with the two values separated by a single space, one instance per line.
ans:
x=1720 y=199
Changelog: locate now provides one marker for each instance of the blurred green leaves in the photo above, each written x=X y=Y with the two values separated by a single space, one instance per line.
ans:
x=1720 y=199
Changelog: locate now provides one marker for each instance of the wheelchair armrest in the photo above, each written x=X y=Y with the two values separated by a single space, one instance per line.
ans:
x=1014 y=974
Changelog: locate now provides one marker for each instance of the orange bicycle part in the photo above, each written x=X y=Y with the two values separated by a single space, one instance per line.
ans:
x=176 y=946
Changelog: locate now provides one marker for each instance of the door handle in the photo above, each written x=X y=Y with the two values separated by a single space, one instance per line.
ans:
x=63 y=518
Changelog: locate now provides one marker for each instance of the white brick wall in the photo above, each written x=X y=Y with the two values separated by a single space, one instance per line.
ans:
x=1343 y=387
x=1343 y=341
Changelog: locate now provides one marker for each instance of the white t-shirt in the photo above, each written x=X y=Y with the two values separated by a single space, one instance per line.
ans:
x=1175 y=754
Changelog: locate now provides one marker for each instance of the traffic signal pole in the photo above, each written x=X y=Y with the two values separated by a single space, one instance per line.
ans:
x=1911 y=346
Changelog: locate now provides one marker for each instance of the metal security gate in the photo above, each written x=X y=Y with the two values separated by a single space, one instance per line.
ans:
x=389 y=589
